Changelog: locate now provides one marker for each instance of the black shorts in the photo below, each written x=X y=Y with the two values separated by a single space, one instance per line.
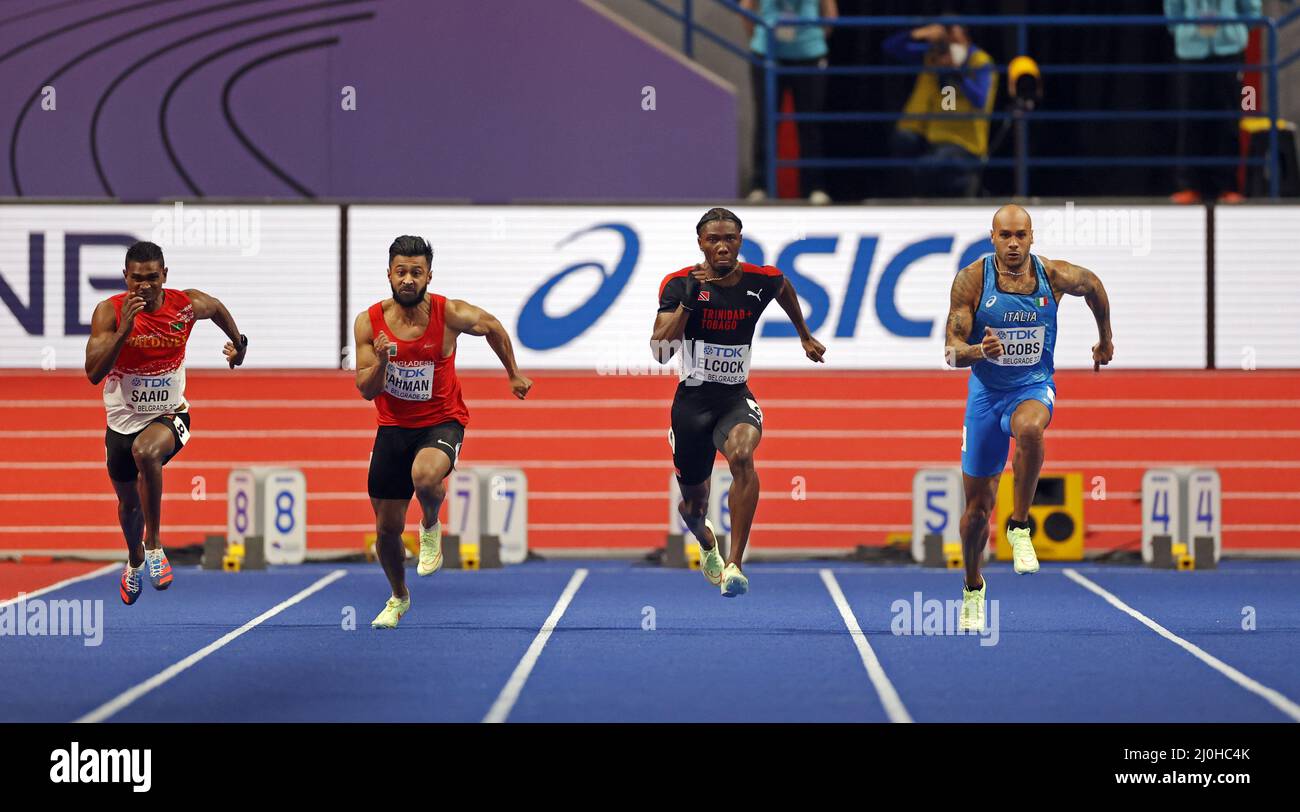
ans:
x=117 y=446
x=703 y=416
x=394 y=454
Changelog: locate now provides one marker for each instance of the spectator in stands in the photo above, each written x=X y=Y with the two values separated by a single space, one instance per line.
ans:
x=1209 y=43
x=967 y=84
x=801 y=46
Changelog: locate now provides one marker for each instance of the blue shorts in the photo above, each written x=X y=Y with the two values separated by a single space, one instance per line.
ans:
x=986 y=433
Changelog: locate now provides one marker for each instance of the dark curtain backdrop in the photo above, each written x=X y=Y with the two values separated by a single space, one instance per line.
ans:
x=1097 y=45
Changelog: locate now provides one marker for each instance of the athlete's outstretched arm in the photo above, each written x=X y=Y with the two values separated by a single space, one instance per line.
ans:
x=107 y=338
x=210 y=307
x=372 y=357
x=789 y=302
x=1077 y=281
x=464 y=317
x=962 y=302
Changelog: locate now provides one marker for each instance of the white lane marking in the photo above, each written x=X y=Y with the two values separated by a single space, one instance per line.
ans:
x=1274 y=698
x=510 y=693
x=884 y=688
x=125 y=698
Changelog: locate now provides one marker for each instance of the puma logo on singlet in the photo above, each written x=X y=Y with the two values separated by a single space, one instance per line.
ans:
x=755 y=294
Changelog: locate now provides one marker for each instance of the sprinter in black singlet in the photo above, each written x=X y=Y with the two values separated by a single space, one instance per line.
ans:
x=709 y=312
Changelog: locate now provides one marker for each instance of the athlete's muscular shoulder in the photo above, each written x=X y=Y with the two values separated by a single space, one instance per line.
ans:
x=967 y=284
x=1066 y=277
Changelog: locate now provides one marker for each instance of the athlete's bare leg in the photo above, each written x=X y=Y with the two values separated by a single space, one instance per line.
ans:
x=428 y=473
x=694 y=507
x=1028 y=423
x=980 y=494
x=131 y=517
x=390 y=520
x=743 y=501
x=150 y=448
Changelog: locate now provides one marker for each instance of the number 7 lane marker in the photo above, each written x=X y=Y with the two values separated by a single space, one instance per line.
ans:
x=1274 y=698
x=510 y=693
x=894 y=708
x=124 y=699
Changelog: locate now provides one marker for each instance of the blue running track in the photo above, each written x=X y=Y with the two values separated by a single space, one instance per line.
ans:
x=643 y=644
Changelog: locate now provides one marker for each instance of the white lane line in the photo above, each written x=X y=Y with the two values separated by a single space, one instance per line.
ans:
x=510 y=693
x=1274 y=698
x=884 y=688
x=125 y=698
x=95 y=573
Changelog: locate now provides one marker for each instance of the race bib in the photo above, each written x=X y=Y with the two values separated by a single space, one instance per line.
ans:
x=409 y=381
x=153 y=394
x=1021 y=346
x=718 y=363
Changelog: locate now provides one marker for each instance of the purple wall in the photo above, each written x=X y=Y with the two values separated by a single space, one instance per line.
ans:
x=484 y=100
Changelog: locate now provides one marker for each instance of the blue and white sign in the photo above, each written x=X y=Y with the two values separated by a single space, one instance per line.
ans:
x=271 y=503
x=468 y=510
x=507 y=512
x=1204 y=509
x=1162 y=508
x=938 y=500
x=578 y=286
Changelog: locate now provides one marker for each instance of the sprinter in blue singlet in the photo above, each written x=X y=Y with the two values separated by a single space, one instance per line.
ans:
x=1002 y=324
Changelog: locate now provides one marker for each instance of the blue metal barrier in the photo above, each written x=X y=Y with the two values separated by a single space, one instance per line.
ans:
x=1022 y=163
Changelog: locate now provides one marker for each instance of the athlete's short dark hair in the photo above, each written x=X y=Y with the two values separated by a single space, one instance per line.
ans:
x=408 y=246
x=145 y=252
x=718 y=213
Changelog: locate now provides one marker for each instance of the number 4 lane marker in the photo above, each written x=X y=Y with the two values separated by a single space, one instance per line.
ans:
x=1274 y=698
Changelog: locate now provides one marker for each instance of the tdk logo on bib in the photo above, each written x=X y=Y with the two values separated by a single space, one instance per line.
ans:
x=1021 y=346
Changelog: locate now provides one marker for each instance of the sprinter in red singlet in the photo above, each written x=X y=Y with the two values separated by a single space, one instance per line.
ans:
x=406 y=364
x=137 y=342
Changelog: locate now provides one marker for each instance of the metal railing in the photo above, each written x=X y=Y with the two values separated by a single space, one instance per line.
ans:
x=1022 y=163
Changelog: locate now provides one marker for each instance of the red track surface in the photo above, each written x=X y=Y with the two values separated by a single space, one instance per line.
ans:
x=30 y=576
x=596 y=454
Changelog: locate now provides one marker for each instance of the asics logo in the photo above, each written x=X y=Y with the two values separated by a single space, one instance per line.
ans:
x=990 y=302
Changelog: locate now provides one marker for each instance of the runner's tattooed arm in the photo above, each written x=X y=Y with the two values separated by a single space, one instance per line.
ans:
x=963 y=300
x=107 y=337
x=210 y=307
x=789 y=302
x=1077 y=281
x=372 y=357
x=464 y=317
